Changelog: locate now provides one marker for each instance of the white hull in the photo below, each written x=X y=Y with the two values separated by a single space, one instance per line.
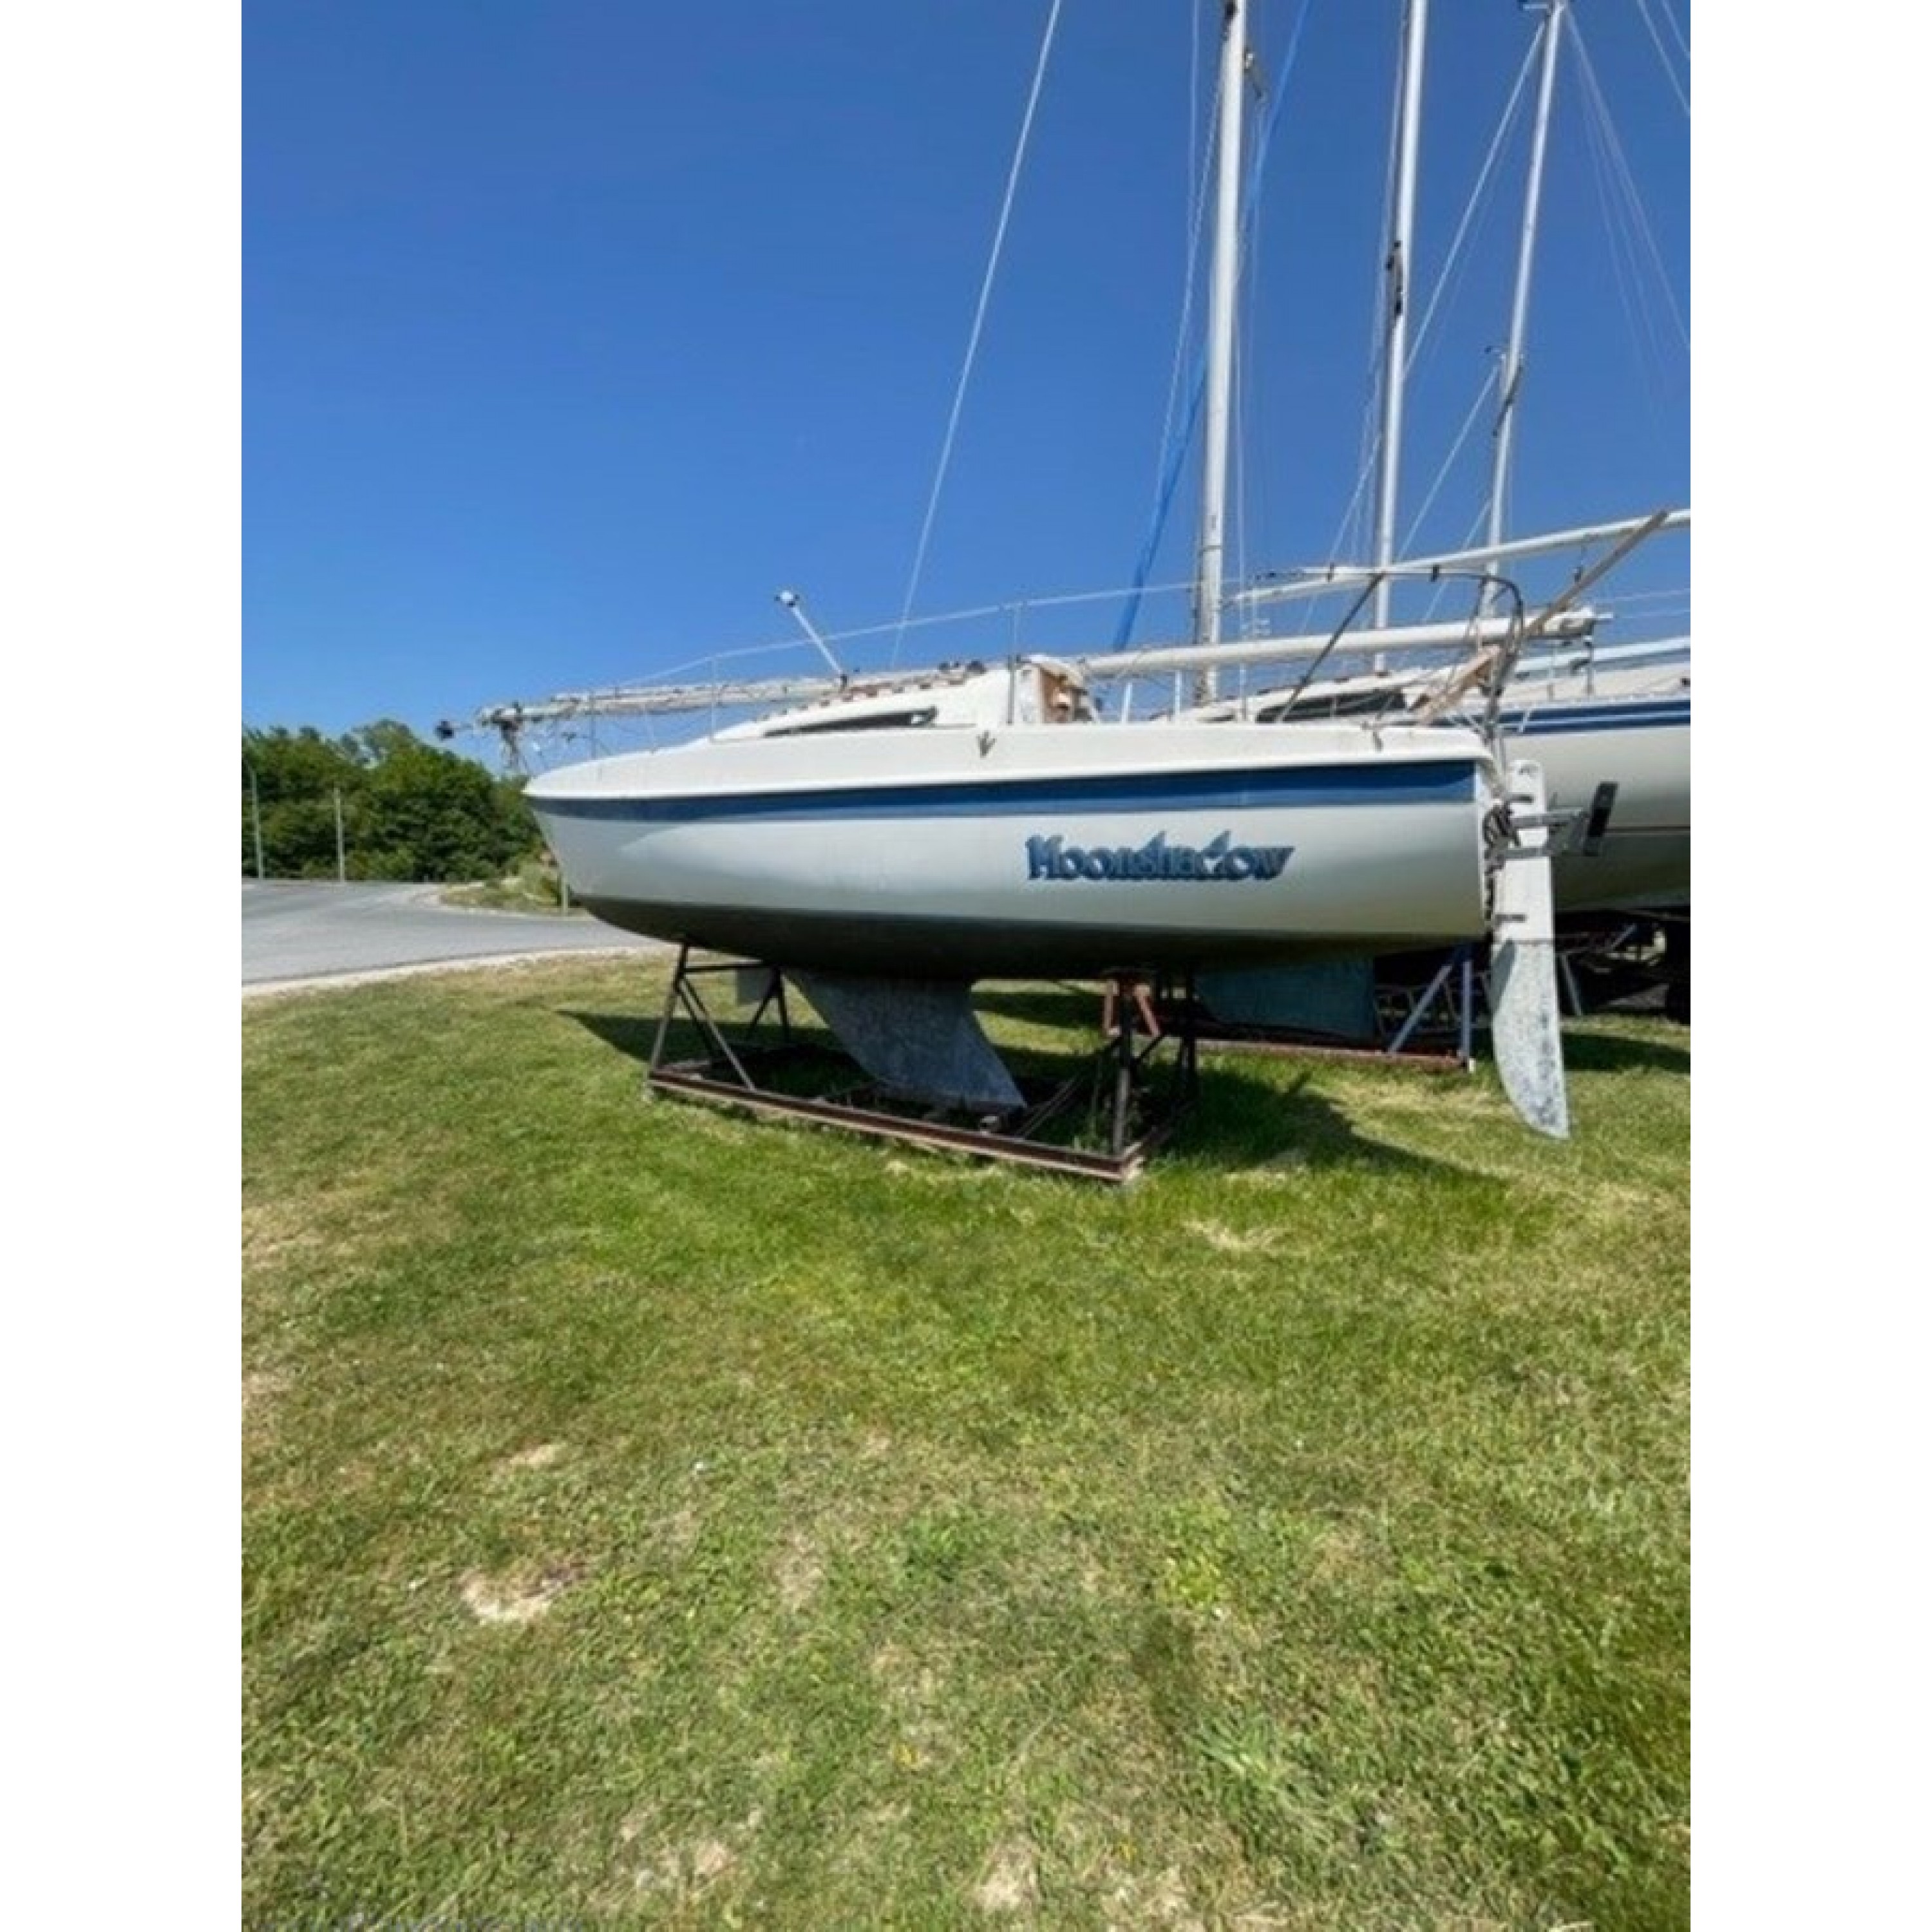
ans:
x=950 y=853
x=1640 y=742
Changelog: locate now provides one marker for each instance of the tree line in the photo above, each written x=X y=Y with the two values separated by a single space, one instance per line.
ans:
x=404 y=809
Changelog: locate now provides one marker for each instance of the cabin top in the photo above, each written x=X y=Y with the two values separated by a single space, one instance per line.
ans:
x=1029 y=691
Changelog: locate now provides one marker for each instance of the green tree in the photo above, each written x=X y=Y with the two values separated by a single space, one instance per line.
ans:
x=296 y=775
x=408 y=811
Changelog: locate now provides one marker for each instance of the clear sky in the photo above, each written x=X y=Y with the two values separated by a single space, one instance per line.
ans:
x=572 y=332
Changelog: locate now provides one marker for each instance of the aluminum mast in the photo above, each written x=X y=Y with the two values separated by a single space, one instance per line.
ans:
x=1513 y=359
x=1395 y=268
x=1221 y=334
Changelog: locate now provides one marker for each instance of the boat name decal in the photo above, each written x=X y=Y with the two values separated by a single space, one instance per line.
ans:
x=1049 y=856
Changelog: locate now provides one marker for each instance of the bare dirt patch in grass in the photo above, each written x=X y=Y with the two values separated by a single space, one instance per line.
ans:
x=274 y=1232
x=259 y=1385
x=679 y=1531
x=1011 y=1880
x=1159 y=1899
x=518 y=1597
x=682 y=1869
x=1231 y=1241
x=914 y=1693
x=801 y=1571
x=259 y=1388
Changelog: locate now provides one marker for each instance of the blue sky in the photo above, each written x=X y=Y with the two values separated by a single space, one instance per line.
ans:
x=573 y=332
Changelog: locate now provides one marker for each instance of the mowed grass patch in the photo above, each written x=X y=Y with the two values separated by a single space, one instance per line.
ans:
x=654 y=1516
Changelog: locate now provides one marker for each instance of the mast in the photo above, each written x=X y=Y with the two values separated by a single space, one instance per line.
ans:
x=1402 y=223
x=1221 y=331
x=1512 y=361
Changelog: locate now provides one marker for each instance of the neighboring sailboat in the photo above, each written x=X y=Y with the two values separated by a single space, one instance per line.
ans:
x=1619 y=752
x=1614 y=746
x=1610 y=726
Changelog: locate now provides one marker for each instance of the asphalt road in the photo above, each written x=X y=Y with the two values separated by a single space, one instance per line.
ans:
x=293 y=931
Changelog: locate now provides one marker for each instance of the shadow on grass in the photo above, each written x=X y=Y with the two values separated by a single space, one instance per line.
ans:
x=1614 y=1053
x=1237 y=1122
x=633 y=1035
x=1075 y=1009
x=1241 y=1123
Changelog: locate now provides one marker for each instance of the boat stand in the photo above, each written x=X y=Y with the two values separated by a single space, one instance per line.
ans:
x=1126 y=1106
x=1430 y=1030
x=1646 y=952
x=1453 y=986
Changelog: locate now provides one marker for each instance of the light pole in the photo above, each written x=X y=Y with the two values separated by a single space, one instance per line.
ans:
x=255 y=811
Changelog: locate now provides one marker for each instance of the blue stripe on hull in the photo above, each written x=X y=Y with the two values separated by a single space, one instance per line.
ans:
x=1624 y=716
x=1448 y=782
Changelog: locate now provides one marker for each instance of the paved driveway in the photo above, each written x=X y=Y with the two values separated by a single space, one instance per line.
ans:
x=294 y=930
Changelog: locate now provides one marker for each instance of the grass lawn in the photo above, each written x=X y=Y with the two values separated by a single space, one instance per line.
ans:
x=657 y=1516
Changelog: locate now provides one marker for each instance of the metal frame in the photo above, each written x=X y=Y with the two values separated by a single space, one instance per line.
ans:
x=1452 y=988
x=1118 y=1076
x=1460 y=968
x=1631 y=953
x=1455 y=990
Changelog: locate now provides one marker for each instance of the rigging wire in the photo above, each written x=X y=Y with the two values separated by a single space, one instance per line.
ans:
x=1479 y=199
x=1670 y=73
x=979 y=321
x=1199 y=174
x=1483 y=394
x=1628 y=285
x=1352 y=534
x=1171 y=427
x=1477 y=203
x=1677 y=33
x=1441 y=587
x=1635 y=258
x=1625 y=180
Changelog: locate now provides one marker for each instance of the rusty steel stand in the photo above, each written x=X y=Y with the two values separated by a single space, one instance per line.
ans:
x=1118 y=1080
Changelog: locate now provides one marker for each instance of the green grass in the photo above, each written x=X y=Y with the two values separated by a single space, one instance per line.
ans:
x=657 y=1516
x=532 y=887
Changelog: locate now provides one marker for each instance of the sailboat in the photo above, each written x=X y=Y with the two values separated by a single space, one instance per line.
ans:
x=986 y=823
x=1618 y=747
x=983 y=820
x=1615 y=746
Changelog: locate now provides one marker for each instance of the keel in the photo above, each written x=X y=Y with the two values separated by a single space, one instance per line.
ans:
x=920 y=1039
